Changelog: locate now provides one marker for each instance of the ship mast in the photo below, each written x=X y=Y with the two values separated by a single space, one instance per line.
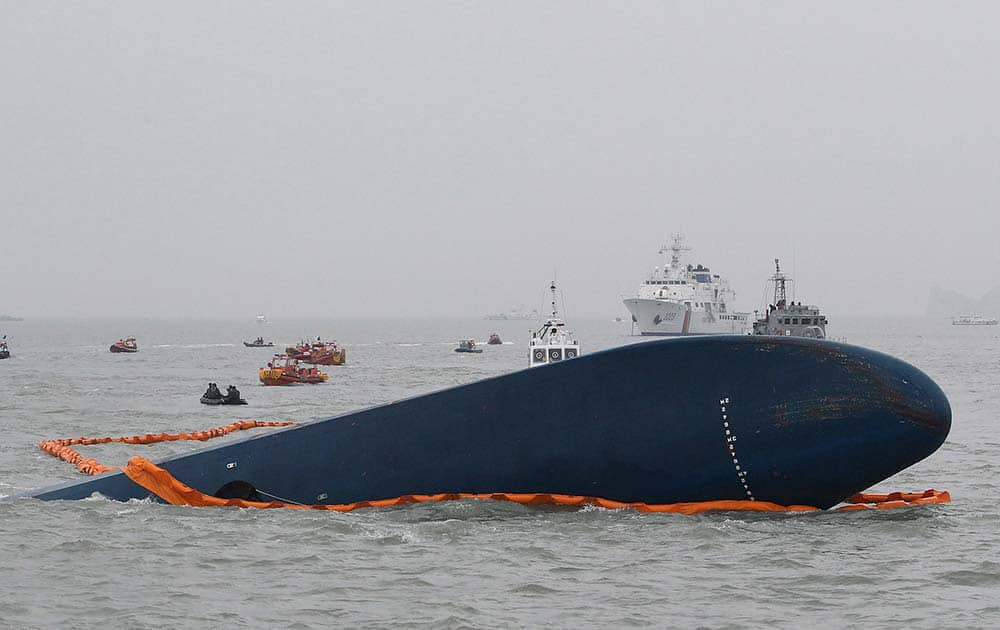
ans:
x=675 y=249
x=779 y=286
x=553 y=319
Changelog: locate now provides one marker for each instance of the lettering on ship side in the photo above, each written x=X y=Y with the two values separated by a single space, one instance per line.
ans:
x=730 y=434
x=659 y=318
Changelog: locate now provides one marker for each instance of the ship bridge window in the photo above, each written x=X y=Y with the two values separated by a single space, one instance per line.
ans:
x=807 y=320
x=703 y=277
x=795 y=320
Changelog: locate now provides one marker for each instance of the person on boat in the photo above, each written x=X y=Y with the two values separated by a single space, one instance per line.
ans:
x=213 y=392
x=232 y=394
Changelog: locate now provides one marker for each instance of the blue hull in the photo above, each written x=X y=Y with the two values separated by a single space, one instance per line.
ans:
x=785 y=420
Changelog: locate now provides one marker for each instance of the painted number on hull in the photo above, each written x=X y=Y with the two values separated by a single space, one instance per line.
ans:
x=669 y=317
x=730 y=434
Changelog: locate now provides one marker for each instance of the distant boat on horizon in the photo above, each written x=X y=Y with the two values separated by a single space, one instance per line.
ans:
x=515 y=312
x=974 y=320
x=10 y=318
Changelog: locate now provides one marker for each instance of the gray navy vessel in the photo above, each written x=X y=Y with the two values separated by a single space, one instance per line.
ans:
x=789 y=319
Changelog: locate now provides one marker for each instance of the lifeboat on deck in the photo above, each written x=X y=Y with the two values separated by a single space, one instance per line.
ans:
x=125 y=345
x=318 y=352
x=285 y=370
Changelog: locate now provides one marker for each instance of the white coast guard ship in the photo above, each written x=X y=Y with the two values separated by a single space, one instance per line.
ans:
x=552 y=342
x=685 y=299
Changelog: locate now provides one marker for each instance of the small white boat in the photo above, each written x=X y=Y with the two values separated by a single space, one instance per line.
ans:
x=468 y=345
x=552 y=342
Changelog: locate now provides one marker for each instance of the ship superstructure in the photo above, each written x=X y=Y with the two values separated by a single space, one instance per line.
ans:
x=685 y=299
x=553 y=342
x=789 y=319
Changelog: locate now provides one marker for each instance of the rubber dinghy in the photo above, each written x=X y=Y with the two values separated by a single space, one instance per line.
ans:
x=791 y=421
x=222 y=401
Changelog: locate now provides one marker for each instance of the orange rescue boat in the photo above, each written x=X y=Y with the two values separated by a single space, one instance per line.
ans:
x=285 y=370
x=318 y=352
x=125 y=345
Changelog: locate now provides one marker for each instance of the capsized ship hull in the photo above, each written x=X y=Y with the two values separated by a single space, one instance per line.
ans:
x=786 y=420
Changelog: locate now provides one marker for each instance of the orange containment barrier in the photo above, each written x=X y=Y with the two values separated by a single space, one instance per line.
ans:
x=62 y=448
x=866 y=501
x=161 y=483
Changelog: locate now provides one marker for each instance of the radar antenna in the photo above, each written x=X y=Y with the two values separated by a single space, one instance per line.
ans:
x=675 y=249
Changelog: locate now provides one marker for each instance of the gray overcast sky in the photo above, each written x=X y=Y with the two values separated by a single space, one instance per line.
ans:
x=418 y=158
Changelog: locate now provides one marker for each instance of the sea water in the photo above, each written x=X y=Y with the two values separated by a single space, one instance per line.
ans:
x=476 y=564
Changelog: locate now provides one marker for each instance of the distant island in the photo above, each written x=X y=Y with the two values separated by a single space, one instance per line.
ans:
x=948 y=303
x=10 y=318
